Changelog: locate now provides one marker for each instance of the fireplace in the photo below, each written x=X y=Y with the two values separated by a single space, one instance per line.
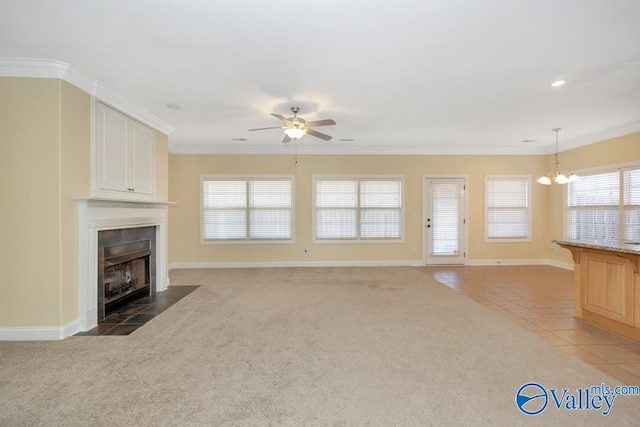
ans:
x=126 y=267
x=101 y=224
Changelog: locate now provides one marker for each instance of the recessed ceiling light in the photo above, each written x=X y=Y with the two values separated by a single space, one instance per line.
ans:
x=173 y=106
x=528 y=140
x=558 y=83
x=238 y=139
x=347 y=139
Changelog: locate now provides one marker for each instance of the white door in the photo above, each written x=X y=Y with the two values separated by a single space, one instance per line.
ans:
x=444 y=221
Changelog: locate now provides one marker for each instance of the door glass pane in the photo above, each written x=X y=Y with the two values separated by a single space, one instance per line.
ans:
x=445 y=218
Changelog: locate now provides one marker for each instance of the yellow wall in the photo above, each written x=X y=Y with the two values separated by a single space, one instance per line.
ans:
x=75 y=180
x=184 y=187
x=30 y=202
x=611 y=152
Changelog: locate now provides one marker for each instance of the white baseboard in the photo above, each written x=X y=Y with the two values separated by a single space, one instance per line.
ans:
x=493 y=262
x=561 y=264
x=40 y=333
x=284 y=264
x=533 y=261
x=405 y=263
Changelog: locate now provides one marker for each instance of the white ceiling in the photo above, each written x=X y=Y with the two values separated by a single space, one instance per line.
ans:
x=405 y=76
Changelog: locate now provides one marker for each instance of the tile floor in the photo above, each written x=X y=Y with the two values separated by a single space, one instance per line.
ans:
x=540 y=299
x=135 y=314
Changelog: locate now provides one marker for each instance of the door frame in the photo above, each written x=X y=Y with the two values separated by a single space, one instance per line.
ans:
x=425 y=205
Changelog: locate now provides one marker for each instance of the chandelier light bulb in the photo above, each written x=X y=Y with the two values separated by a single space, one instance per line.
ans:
x=544 y=180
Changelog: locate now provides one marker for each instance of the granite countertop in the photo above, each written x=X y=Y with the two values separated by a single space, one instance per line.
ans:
x=628 y=248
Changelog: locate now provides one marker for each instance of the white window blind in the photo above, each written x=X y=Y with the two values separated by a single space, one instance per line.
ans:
x=247 y=209
x=604 y=207
x=336 y=204
x=631 y=180
x=593 y=205
x=445 y=212
x=358 y=208
x=224 y=205
x=507 y=208
x=380 y=209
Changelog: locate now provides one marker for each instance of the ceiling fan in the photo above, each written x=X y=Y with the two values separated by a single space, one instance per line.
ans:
x=296 y=127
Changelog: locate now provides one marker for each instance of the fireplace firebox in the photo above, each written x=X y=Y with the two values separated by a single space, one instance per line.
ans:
x=126 y=262
x=126 y=274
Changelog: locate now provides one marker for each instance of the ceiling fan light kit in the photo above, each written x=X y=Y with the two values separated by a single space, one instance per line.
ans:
x=296 y=127
x=557 y=176
x=295 y=133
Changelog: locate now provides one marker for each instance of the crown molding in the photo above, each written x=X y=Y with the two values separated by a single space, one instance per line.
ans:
x=301 y=149
x=338 y=148
x=109 y=96
x=23 y=67
x=595 y=137
x=53 y=69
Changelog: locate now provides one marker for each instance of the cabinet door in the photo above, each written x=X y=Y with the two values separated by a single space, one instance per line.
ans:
x=112 y=151
x=607 y=286
x=143 y=159
x=125 y=156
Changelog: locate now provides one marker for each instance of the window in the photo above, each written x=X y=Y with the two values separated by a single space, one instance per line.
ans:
x=593 y=204
x=358 y=208
x=508 y=201
x=248 y=209
x=604 y=207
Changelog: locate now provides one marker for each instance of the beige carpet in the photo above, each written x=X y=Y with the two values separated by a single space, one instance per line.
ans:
x=300 y=346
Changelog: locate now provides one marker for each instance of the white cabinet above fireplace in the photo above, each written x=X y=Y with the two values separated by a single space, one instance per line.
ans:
x=124 y=156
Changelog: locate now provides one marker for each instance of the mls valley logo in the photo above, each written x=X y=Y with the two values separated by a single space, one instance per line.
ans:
x=533 y=398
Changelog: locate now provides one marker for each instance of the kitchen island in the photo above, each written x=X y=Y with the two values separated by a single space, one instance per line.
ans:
x=606 y=287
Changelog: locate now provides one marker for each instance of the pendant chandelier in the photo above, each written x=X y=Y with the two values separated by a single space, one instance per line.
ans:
x=557 y=176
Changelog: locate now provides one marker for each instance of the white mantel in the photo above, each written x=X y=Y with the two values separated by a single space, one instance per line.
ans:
x=97 y=214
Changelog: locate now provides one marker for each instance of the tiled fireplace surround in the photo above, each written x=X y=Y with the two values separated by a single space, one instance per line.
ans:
x=103 y=214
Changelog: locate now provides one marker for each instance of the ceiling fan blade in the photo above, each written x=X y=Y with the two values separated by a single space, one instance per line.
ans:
x=318 y=134
x=281 y=117
x=274 y=127
x=326 y=122
x=286 y=139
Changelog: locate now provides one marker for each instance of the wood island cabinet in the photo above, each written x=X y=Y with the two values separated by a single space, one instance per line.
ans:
x=607 y=286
